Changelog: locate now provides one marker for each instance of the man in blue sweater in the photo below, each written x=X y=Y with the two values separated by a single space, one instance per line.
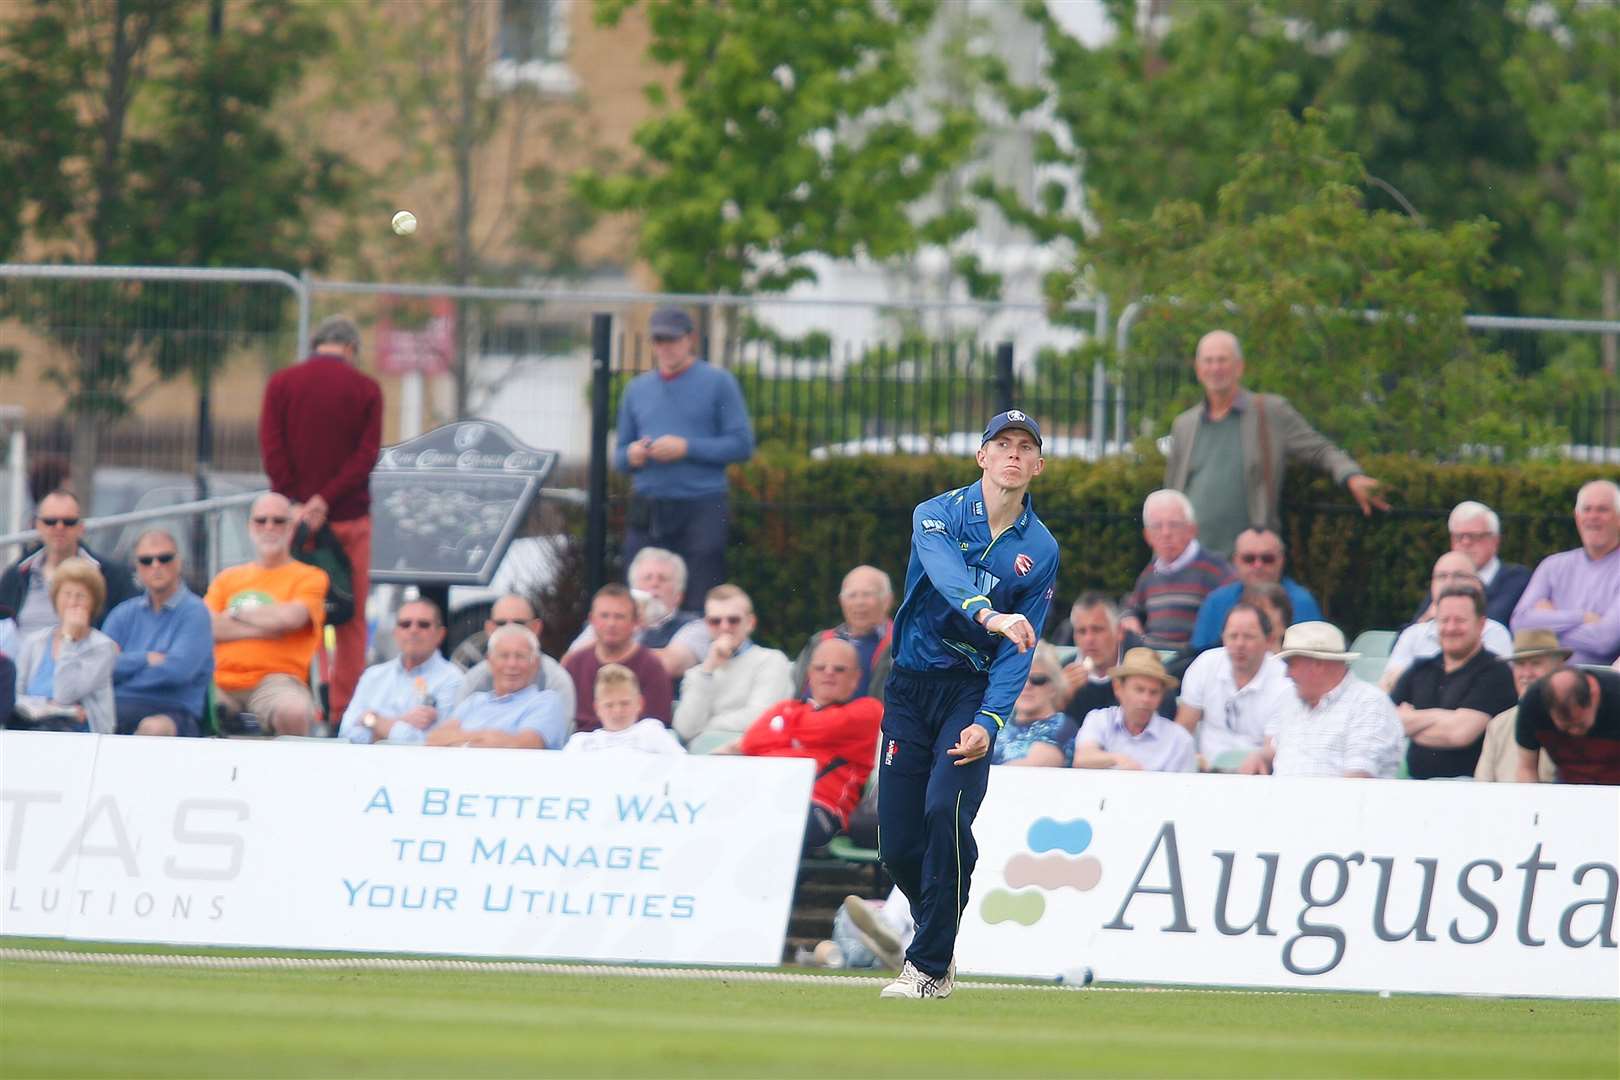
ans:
x=977 y=591
x=680 y=425
x=160 y=680
x=1257 y=556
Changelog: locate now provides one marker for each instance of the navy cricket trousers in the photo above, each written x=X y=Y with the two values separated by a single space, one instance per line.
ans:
x=927 y=803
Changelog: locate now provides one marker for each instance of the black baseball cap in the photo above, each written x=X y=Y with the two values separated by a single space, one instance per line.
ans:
x=1011 y=418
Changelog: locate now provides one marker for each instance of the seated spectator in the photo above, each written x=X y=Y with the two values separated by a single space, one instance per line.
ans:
x=1131 y=735
x=24 y=587
x=738 y=678
x=1163 y=606
x=1039 y=733
x=1536 y=654
x=1576 y=594
x=1230 y=693
x=866 y=598
x=166 y=638
x=619 y=712
x=267 y=617
x=69 y=665
x=513 y=608
x=1258 y=557
x=837 y=729
x=1476 y=531
x=1275 y=604
x=1574 y=715
x=399 y=699
x=1337 y=725
x=874 y=933
x=678 y=638
x=513 y=714
x=1422 y=639
x=1445 y=701
x=1101 y=644
x=613 y=621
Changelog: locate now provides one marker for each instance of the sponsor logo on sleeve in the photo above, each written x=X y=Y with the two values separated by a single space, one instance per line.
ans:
x=933 y=525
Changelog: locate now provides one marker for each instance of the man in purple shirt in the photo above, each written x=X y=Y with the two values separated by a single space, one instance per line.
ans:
x=1576 y=594
x=1132 y=734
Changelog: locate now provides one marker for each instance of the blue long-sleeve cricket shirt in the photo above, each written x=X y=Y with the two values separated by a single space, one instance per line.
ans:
x=958 y=568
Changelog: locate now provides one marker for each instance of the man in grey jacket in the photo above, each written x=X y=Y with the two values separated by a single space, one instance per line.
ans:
x=1228 y=454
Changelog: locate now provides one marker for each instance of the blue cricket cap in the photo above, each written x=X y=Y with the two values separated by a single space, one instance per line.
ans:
x=1011 y=418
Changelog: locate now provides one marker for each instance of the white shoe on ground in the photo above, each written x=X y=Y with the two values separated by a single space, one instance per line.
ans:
x=913 y=982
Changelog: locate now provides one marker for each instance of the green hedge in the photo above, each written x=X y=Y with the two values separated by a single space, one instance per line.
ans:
x=798 y=525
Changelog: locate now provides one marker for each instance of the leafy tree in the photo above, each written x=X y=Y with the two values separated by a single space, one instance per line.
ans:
x=782 y=139
x=155 y=145
x=1290 y=260
x=1165 y=108
x=1567 y=79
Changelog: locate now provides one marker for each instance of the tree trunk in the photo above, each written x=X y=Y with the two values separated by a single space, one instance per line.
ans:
x=82 y=462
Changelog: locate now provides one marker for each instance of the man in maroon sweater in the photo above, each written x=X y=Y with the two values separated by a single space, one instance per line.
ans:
x=319 y=432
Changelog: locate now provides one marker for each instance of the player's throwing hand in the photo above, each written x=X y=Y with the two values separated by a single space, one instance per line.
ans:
x=1012 y=626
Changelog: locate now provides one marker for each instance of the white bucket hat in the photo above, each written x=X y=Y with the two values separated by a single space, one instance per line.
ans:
x=1316 y=640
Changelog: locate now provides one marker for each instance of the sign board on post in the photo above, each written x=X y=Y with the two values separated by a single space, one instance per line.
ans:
x=448 y=503
x=1425 y=887
x=611 y=856
x=423 y=351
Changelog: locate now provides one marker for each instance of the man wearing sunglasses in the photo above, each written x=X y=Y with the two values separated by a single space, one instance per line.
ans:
x=267 y=617
x=1258 y=557
x=738 y=678
x=25 y=586
x=160 y=679
x=401 y=698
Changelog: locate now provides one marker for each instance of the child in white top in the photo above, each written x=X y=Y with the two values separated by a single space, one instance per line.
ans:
x=618 y=702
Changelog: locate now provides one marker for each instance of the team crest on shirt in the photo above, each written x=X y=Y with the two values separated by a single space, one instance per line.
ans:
x=1023 y=564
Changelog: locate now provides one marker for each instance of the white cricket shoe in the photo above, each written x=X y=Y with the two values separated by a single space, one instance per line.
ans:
x=913 y=982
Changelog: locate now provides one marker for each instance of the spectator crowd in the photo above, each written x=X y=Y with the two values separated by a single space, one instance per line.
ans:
x=1216 y=660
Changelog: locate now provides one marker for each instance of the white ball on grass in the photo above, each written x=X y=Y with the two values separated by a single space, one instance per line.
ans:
x=404 y=223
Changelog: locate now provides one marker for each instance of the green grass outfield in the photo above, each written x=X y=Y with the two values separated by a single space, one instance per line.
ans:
x=62 y=1019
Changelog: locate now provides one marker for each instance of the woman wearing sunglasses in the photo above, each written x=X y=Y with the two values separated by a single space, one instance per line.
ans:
x=1039 y=733
x=64 y=673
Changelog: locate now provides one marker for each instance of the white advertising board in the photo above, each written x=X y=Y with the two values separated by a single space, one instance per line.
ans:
x=1329 y=884
x=483 y=852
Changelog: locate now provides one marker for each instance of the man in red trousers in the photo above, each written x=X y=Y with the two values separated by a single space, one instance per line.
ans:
x=319 y=432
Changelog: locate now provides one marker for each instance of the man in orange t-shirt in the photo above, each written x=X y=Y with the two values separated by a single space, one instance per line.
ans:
x=267 y=624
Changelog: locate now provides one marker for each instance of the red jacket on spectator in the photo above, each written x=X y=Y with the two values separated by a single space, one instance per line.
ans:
x=841 y=738
x=319 y=433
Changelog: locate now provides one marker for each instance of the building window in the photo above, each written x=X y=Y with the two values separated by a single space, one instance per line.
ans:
x=533 y=46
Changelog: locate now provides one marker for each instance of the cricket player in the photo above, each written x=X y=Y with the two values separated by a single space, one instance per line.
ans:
x=977 y=590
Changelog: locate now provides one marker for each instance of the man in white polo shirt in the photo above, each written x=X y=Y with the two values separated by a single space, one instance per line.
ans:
x=1232 y=692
